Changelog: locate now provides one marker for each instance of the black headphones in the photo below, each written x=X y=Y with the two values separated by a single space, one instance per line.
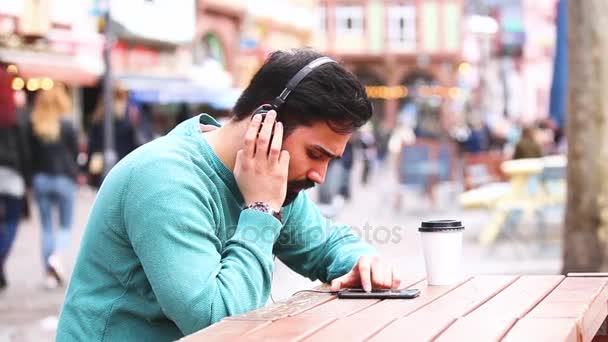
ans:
x=291 y=85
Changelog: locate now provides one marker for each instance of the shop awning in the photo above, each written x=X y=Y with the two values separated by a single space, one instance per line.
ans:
x=226 y=100
x=178 y=20
x=69 y=69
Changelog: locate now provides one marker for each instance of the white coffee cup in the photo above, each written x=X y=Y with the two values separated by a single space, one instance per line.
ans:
x=442 y=248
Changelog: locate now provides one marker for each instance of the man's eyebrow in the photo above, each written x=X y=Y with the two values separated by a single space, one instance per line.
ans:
x=326 y=152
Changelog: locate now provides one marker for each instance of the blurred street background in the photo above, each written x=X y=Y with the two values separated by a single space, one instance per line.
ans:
x=469 y=121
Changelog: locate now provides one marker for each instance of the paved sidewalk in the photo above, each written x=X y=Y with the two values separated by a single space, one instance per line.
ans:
x=28 y=312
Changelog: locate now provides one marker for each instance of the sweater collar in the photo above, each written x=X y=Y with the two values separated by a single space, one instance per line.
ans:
x=195 y=127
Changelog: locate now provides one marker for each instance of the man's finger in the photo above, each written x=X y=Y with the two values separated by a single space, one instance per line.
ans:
x=336 y=284
x=263 y=140
x=277 y=142
x=284 y=160
x=365 y=273
x=378 y=271
x=251 y=135
x=345 y=280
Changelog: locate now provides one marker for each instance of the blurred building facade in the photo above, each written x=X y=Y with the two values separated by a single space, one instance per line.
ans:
x=539 y=19
x=405 y=52
x=218 y=29
x=142 y=47
x=239 y=34
x=515 y=60
x=160 y=65
x=273 y=25
x=46 y=41
x=56 y=39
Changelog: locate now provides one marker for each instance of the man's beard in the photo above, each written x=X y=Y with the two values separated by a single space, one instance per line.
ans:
x=294 y=188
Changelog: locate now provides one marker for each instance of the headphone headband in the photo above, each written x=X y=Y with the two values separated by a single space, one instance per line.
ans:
x=299 y=76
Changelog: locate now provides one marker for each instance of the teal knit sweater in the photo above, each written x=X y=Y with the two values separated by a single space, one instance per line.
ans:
x=168 y=249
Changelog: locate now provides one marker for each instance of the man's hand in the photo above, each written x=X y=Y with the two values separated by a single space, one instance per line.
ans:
x=261 y=167
x=369 y=273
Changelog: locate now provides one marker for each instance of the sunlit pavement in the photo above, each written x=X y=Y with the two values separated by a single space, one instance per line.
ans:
x=28 y=312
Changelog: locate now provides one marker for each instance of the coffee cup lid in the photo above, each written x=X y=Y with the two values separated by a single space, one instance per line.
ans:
x=440 y=226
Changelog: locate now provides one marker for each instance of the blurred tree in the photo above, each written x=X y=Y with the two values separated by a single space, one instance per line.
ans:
x=586 y=225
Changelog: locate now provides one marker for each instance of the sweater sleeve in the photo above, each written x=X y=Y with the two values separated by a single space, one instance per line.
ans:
x=169 y=218
x=314 y=246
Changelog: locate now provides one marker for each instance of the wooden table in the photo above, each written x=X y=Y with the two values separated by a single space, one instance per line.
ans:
x=481 y=308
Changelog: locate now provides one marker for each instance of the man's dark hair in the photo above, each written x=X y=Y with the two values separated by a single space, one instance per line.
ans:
x=329 y=93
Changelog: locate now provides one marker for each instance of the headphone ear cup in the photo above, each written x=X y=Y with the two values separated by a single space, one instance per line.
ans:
x=263 y=109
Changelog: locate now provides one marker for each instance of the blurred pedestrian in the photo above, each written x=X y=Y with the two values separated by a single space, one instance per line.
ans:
x=54 y=143
x=337 y=182
x=547 y=135
x=478 y=139
x=14 y=167
x=528 y=146
x=367 y=141
x=125 y=137
x=347 y=162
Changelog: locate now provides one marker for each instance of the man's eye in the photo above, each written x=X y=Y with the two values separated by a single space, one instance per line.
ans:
x=314 y=155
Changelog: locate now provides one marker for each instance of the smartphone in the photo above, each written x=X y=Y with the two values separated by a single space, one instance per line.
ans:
x=379 y=294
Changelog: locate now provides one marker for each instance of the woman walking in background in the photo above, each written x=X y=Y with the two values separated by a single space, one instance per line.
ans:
x=54 y=143
x=14 y=164
x=124 y=135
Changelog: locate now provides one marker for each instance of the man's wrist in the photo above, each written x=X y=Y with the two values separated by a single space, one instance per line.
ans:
x=270 y=205
x=265 y=208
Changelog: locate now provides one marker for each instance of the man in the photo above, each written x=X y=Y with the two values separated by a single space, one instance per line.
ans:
x=184 y=229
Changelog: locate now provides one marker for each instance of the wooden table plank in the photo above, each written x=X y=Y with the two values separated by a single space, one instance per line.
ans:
x=342 y=307
x=420 y=327
x=225 y=330
x=296 y=304
x=434 y=318
x=582 y=298
x=519 y=298
x=493 y=319
x=472 y=329
x=302 y=323
x=543 y=330
x=302 y=302
x=294 y=328
x=311 y=320
x=470 y=295
x=373 y=318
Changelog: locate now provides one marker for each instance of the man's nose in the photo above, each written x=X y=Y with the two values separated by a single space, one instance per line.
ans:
x=318 y=174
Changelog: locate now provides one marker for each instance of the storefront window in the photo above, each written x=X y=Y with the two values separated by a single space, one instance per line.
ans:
x=402 y=27
x=349 y=20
